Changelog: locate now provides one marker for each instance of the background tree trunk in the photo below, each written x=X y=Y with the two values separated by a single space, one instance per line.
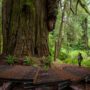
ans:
x=25 y=29
x=85 y=36
x=58 y=43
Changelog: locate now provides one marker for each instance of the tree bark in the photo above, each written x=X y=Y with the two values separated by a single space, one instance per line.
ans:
x=85 y=36
x=25 y=30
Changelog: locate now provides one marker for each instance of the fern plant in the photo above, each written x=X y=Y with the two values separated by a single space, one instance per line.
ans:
x=10 y=59
x=27 y=61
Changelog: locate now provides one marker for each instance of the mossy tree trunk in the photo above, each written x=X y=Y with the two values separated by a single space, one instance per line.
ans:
x=25 y=29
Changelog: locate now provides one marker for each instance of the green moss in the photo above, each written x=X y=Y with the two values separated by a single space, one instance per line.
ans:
x=30 y=3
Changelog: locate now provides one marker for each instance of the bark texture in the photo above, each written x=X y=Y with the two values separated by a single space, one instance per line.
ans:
x=85 y=34
x=25 y=30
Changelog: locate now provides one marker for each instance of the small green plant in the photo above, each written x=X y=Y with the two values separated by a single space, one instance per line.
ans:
x=10 y=59
x=48 y=61
x=27 y=61
x=46 y=68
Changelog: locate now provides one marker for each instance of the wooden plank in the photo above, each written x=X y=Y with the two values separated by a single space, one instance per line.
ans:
x=19 y=72
x=5 y=86
x=45 y=76
x=15 y=80
x=60 y=84
x=36 y=76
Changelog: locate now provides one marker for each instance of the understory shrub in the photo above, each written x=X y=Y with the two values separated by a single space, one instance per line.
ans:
x=86 y=63
x=63 y=56
x=48 y=61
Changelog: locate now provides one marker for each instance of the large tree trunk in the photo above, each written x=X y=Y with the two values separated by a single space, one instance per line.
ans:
x=25 y=29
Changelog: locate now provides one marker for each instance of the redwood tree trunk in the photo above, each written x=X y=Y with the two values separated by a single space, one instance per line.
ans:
x=25 y=29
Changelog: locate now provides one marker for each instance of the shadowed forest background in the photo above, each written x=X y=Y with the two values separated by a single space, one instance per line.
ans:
x=70 y=36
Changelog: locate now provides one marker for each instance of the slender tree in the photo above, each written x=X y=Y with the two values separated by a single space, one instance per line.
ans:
x=59 y=40
x=85 y=36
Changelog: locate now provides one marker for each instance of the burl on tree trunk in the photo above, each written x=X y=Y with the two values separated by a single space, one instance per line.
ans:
x=26 y=25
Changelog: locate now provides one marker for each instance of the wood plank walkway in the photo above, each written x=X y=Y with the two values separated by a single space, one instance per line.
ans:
x=72 y=72
x=57 y=72
x=62 y=72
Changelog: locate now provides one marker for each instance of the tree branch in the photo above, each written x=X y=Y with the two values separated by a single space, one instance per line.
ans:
x=77 y=5
x=71 y=7
x=84 y=7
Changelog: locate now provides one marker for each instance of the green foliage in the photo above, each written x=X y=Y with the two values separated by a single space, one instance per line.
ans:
x=46 y=67
x=74 y=53
x=27 y=60
x=30 y=4
x=10 y=59
x=59 y=61
x=86 y=63
x=51 y=46
x=71 y=61
x=63 y=56
x=48 y=61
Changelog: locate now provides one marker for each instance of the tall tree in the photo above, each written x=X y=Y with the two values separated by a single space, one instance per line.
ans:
x=26 y=25
x=59 y=40
x=85 y=36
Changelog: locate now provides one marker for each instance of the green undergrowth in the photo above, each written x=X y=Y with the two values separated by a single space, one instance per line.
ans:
x=71 y=57
x=85 y=63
